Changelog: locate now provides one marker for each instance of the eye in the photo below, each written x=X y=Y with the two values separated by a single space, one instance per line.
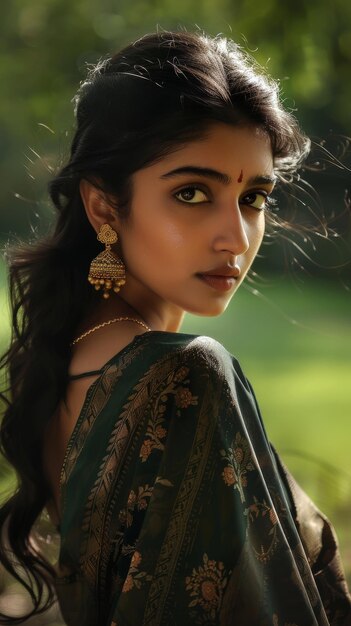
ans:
x=258 y=200
x=190 y=195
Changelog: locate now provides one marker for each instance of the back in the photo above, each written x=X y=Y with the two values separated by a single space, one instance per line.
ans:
x=88 y=359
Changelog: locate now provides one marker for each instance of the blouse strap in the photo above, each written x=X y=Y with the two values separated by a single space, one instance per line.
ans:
x=84 y=374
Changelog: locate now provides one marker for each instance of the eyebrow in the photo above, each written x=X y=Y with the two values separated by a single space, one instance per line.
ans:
x=220 y=177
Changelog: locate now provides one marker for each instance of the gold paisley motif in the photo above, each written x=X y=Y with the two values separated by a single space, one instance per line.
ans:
x=262 y=530
x=140 y=407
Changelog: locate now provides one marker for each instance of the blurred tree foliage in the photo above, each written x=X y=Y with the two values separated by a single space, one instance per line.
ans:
x=46 y=44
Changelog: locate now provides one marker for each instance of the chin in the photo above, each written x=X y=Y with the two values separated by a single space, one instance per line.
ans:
x=213 y=310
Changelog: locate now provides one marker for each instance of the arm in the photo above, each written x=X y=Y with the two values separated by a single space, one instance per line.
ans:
x=321 y=546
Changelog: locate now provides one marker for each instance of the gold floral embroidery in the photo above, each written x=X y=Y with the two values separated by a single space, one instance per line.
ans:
x=229 y=476
x=147 y=446
x=239 y=462
x=136 y=501
x=262 y=529
x=184 y=398
x=134 y=577
x=206 y=586
x=155 y=432
x=180 y=374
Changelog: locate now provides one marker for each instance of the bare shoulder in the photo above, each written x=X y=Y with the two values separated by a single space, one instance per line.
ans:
x=89 y=355
x=96 y=349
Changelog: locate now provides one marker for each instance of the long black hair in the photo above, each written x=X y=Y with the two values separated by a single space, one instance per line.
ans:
x=155 y=95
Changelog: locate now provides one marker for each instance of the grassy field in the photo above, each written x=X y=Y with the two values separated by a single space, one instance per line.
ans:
x=294 y=344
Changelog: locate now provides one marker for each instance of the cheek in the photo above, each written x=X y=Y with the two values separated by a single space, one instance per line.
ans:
x=154 y=243
x=256 y=232
x=162 y=232
x=171 y=237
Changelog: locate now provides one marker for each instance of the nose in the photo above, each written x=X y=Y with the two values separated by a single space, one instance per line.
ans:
x=233 y=230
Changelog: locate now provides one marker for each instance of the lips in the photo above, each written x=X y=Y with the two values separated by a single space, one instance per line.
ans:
x=219 y=283
x=219 y=275
x=223 y=272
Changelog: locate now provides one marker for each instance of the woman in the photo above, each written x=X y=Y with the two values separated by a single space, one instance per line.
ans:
x=146 y=444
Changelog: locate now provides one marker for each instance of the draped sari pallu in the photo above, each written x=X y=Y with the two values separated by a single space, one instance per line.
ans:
x=176 y=510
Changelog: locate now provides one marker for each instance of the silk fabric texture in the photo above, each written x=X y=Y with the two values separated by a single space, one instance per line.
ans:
x=177 y=511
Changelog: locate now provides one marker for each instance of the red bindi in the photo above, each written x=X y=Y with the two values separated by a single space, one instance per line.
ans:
x=240 y=179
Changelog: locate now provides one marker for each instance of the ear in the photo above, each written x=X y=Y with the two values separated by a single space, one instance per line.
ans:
x=98 y=210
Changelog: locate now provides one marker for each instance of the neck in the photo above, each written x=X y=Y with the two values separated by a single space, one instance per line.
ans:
x=153 y=319
x=124 y=304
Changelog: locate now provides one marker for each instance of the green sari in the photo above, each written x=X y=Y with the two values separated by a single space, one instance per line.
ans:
x=175 y=508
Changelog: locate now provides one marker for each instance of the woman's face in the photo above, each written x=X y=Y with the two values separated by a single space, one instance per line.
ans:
x=186 y=224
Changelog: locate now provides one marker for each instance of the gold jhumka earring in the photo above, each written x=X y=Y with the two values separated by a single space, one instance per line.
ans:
x=107 y=271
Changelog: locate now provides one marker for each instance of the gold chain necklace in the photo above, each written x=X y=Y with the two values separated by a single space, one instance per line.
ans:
x=112 y=321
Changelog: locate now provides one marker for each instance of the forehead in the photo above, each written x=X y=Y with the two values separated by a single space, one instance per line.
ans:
x=226 y=148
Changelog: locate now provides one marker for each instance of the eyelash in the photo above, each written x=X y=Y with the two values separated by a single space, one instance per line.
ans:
x=268 y=201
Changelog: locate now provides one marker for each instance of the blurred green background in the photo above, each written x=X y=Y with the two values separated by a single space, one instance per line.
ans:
x=289 y=325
